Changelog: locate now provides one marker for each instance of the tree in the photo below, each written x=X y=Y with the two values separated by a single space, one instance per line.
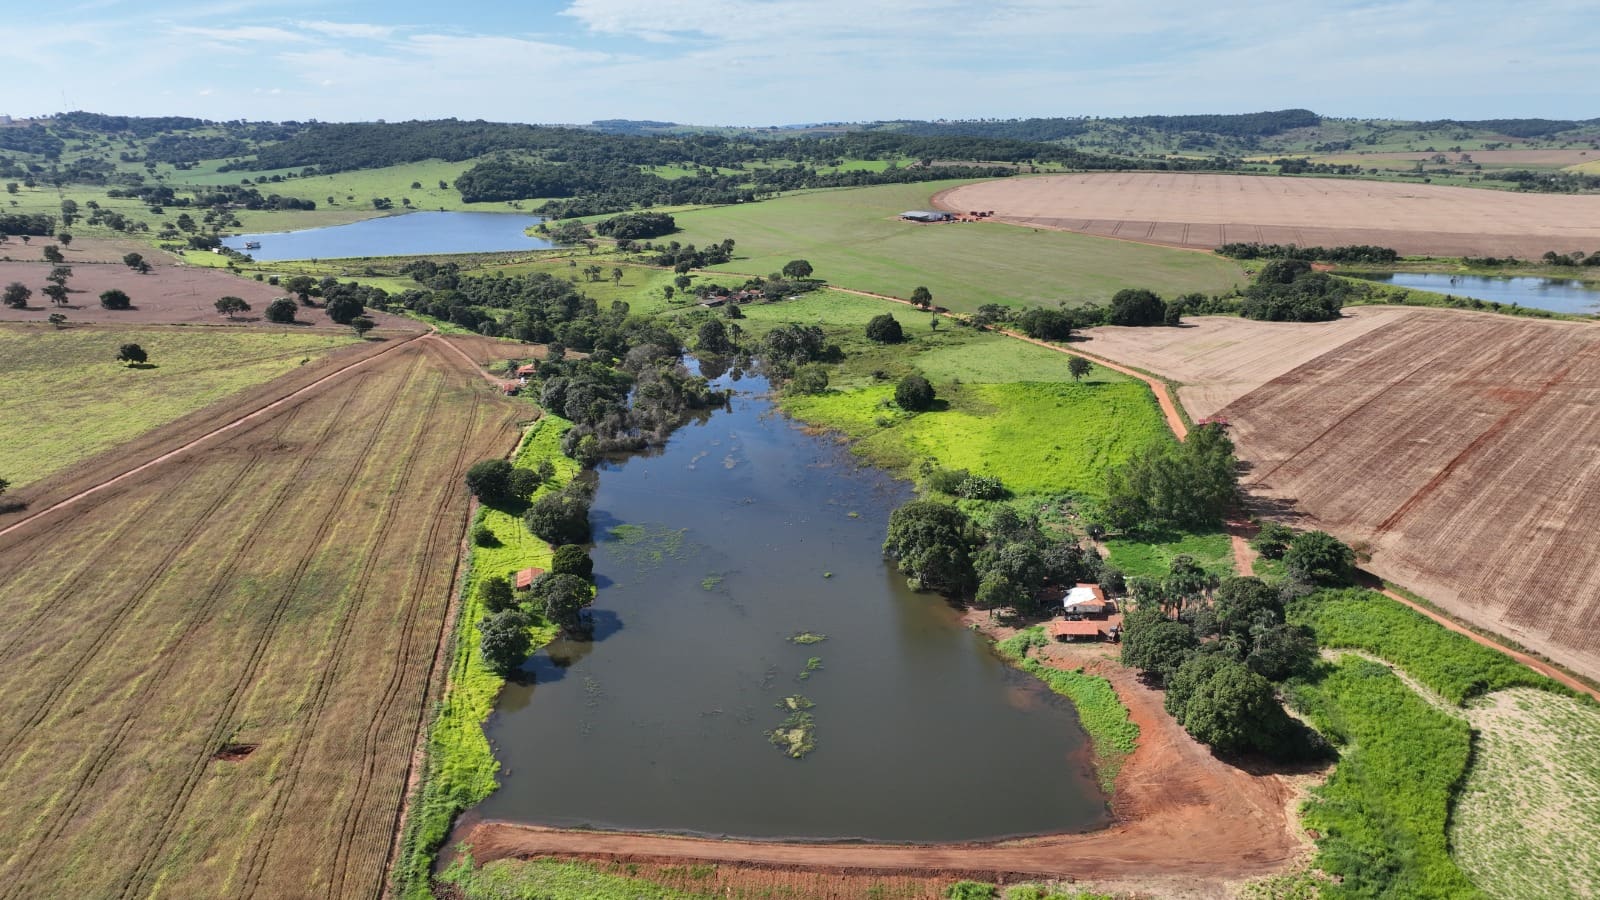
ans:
x=1317 y=557
x=4 y=486
x=57 y=293
x=1078 y=367
x=922 y=297
x=65 y=238
x=1136 y=306
x=56 y=319
x=504 y=640
x=1273 y=540
x=16 y=295
x=563 y=598
x=361 y=325
x=522 y=483
x=1234 y=711
x=1046 y=324
x=497 y=594
x=59 y=275
x=52 y=253
x=1195 y=671
x=796 y=269
x=232 y=306
x=914 y=393
x=1282 y=651
x=885 y=329
x=301 y=286
x=572 y=559
x=281 y=311
x=115 y=299
x=1155 y=644
x=344 y=308
x=560 y=518
x=712 y=338
x=490 y=480
x=135 y=261
x=931 y=543
x=1243 y=604
x=132 y=354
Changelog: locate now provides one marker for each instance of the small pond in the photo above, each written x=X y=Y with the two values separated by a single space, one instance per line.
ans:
x=408 y=234
x=1561 y=295
x=713 y=554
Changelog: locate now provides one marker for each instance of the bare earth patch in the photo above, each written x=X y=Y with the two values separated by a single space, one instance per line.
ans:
x=1219 y=359
x=1206 y=211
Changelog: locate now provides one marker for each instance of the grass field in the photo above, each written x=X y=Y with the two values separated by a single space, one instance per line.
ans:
x=67 y=398
x=1524 y=823
x=216 y=671
x=1153 y=556
x=1036 y=437
x=853 y=239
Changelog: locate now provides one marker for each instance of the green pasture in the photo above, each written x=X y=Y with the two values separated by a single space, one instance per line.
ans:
x=853 y=239
x=1035 y=437
x=1152 y=555
x=67 y=398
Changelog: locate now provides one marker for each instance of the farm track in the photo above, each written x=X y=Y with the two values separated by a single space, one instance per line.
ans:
x=196 y=649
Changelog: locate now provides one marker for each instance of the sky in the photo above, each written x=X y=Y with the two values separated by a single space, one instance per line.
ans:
x=775 y=62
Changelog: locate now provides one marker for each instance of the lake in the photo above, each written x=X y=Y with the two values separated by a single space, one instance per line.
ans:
x=712 y=554
x=1555 y=294
x=403 y=235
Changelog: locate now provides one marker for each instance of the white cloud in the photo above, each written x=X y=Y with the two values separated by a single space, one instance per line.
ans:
x=239 y=33
x=349 y=29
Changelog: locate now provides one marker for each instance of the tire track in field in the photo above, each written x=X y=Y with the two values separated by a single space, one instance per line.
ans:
x=43 y=708
x=247 y=671
x=63 y=814
x=262 y=850
x=395 y=679
x=217 y=731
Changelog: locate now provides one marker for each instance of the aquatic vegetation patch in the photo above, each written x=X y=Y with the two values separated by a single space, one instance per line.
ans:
x=796 y=734
x=808 y=637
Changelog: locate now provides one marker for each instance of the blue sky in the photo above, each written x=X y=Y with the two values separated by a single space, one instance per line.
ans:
x=762 y=62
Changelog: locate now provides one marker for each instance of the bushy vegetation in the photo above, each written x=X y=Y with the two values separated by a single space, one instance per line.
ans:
x=1382 y=814
x=1173 y=485
x=1451 y=664
x=1287 y=290
x=1350 y=253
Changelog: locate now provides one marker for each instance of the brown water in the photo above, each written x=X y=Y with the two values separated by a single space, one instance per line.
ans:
x=713 y=552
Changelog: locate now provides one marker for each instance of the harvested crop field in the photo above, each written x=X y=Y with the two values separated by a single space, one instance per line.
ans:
x=1542 y=159
x=216 y=667
x=1206 y=211
x=1219 y=359
x=1464 y=448
x=492 y=352
x=169 y=295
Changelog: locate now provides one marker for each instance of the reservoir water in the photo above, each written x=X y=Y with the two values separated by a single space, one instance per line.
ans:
x=412 y=233
x=1555 y=294
x=712 y=554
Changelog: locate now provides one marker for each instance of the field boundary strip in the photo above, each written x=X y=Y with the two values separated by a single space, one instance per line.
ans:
x=190 y=445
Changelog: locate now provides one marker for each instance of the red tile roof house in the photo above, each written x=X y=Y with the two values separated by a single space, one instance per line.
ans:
x=526 y=577
x=1067 y=630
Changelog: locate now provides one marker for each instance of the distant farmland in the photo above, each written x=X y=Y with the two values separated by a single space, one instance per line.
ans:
x=1206 y=211
x=1464 y=448
x=216 y=669
x=854 y=239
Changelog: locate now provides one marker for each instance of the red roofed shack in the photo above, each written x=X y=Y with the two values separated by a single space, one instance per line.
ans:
x=1068 y=630
x=526 y=576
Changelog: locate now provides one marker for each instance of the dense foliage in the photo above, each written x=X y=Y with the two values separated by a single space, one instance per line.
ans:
x=1168 y=484
x=1349 y=253
x=932 y=544
x=1287 y=290
x=637 y=226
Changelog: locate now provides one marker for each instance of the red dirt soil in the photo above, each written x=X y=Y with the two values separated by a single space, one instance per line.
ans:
x=1232 y=824
x=1206 y=211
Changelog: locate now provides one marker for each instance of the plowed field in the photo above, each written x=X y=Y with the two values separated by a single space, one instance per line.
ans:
x=1206 y=211
x=215 y=669
x=1465 y=448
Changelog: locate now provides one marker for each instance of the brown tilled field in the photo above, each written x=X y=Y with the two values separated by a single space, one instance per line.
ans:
x=1219 y=359
x=1206 y=211
x=169 y=295
x=1464 y=448
x=216 y=668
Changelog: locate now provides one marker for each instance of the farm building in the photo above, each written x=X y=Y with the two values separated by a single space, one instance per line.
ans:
x=1064 y=630
x=926 y=215
x=1085 y=600
x=525 y=578
x=526 y=372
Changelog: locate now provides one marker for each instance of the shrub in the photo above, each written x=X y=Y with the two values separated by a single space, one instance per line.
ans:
x=1046 y=324
x=885 y=329
x=1133 y=306
x=497 y=594
x=981 y=487
x=811 y=378
x=1272 y=540
x=281 y=311
x=504 y=640
x=522 y=483
x=914 y=393
x=490 y=480
x=115 y=299
x=484 y=536
x=1319 y=558
x=560 y=518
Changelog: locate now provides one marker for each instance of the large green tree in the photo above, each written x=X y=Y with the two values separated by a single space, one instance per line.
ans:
x=1317 y=557
x=490 y=480
x=559 y=518
x=885 y=329
x=1235 y=711
x=504 y=640
x=1155 y=644
x=1136 y=306
x=931 y=543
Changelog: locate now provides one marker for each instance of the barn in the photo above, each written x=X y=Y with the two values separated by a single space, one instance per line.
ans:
x=926 y=215
x=1066 y=630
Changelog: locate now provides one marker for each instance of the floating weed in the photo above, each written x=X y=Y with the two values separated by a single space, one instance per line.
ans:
x=649 y=545
x=796 y=734
x=808 y=637
x=813 y=664
x=853 y=515
x=712 y=582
